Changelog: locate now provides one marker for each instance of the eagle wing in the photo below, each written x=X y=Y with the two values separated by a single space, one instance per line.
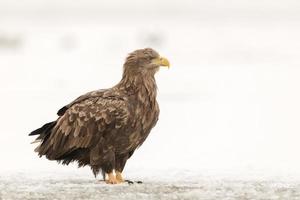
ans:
x=84 y=122
x=97 y=93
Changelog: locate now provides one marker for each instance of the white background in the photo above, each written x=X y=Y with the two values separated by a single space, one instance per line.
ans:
x=230 y=101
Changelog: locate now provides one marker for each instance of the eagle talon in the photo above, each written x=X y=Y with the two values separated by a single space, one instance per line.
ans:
x=129 y=182
x=132 y=182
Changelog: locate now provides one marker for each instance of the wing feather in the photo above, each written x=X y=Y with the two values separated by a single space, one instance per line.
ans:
x=97 y=93
x=85 y=122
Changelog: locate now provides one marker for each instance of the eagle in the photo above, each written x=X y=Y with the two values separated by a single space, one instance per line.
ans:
x=103 y=128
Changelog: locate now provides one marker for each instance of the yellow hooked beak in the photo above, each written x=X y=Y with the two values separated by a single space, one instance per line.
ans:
x=161 y=61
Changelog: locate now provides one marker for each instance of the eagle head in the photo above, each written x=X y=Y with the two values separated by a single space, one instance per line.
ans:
x=145 y=61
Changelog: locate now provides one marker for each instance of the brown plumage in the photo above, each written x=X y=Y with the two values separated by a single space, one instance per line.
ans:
x=103 y=128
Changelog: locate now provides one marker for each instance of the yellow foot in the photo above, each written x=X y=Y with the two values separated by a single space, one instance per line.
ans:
x=112 y=179
x=119 y=177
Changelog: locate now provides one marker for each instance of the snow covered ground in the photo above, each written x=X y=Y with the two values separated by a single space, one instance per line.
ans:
x=179 y=185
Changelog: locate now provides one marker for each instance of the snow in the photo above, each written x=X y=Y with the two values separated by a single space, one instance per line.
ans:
x=173 y=185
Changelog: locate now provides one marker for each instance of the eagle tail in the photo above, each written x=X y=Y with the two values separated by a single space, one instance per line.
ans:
x=43 y=132
x=44 y=129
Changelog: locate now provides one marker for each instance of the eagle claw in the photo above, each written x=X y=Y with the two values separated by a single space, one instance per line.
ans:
x=132 y=182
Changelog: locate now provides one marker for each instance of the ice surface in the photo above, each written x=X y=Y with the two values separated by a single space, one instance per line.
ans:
x=160 y=185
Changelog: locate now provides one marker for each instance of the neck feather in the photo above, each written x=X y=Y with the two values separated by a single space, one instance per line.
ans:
x=140 y=84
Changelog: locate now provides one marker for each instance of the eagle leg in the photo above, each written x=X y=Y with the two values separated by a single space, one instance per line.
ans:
x=120 y=164
x=111 y=179
x=119 y=176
